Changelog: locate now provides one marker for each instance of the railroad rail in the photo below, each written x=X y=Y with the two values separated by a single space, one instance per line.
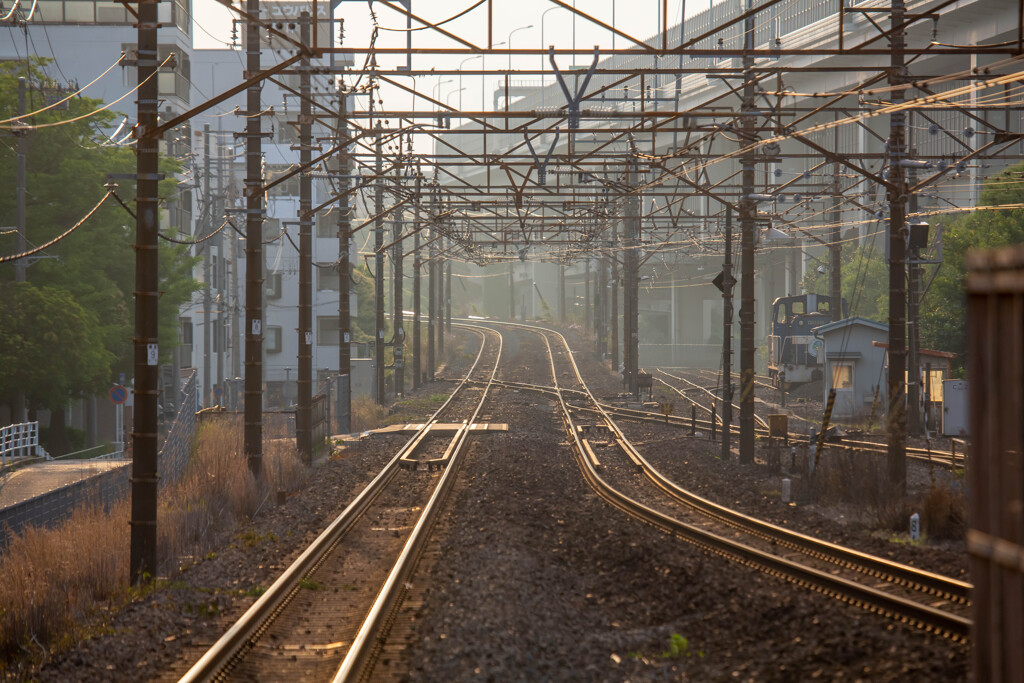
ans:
x=923 y=599
x=227 y=656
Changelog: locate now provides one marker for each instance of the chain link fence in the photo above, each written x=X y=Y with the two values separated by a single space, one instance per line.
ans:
x=112 y=485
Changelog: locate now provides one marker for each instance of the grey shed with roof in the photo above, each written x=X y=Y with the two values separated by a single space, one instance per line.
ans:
x=853 y=364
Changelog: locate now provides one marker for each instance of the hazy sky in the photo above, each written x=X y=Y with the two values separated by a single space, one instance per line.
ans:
x=639 y=18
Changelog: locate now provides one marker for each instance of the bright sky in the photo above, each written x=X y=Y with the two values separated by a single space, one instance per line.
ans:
x=524 y=23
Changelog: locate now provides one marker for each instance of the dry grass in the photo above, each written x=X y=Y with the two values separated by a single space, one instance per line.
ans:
x=47 y=589
x=366 y=414
x=944 y=511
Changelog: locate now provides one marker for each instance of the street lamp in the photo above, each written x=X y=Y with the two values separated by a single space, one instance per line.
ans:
x=467 y=59
x=483 y=77
x=437 y=86
x=521 y=28
x=448 y=97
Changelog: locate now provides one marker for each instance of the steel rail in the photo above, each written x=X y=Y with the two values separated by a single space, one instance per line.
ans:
x=368 y=641
x=244 y=633
x=914 y=612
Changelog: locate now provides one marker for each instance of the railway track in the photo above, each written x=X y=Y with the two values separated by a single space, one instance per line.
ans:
x=947 y=459
x=610 y=463
x=326 y=613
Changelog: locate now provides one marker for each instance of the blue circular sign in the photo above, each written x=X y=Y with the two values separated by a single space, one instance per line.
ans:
x=118 y=394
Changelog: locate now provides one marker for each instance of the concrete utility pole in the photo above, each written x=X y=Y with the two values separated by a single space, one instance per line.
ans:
x=748 y=212
x=21 y=265
x=378 y=260
x=440 y=298
x=448 y=296
x=143 y=553
x=344 y=278
x=835 y=250
x=207 y=223
x=221 y=273
x=561 y=293
x=432 y=298
x=631 y=284
x=511 y=291
x=613 y=334
x=417 y=264
x=20 y=130
x=397 y=283
x=727 y=313
x=253 y=435
x=897 y=417
x=304 y=410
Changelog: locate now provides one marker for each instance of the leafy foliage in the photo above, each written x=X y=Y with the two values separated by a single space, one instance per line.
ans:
x=67 y=170
x=864 y=279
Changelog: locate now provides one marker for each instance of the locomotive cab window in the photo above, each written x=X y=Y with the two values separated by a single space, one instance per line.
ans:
x=824 y=306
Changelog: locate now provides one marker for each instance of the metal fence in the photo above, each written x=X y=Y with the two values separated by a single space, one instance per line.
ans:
x=111 y=486
x=995 y=471
x=20 y=441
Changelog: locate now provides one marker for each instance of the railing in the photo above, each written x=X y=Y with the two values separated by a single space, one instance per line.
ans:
x=110 y=486
x=20 y=441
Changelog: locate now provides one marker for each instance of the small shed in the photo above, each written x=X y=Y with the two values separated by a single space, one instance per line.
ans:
x=934 y=369
x=854 y=364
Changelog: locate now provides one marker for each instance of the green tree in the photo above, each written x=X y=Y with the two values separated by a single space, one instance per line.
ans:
x=864 y=280
x=50 y=348
x=944 y=308
x=68 y=166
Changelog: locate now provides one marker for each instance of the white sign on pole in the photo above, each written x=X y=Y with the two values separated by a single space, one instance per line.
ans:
x=152 y=354
x=257 y=327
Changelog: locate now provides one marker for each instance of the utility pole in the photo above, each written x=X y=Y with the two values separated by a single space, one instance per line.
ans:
x=398 y=323
x=511 y=292
x=439 y=310
x=207 y=269
x=588 y=302
x=561 y=292
x=417 y=369
x=748 y=210
x=448 y=296
x=21 y=265
x=727 y=313
x=432 y=297
x=221 y=273
x=378 y=260
x=344 y=278
x=835 y=281
x=897 y=417
x=253 y=434
x=613 y=334
x=304 y=410
x=21 y=131
x=915 y=427
x=143 y=554
x=631 y=277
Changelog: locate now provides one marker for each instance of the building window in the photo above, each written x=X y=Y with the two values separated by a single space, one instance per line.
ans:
x=327 y=223
x=327 y=277
x=288 y=188
x=272 y=339
x=185 y=341
x=327 y=330
x=842 y=376
x=272 y=286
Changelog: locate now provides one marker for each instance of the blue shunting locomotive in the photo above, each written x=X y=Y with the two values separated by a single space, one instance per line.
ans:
x=793 y=351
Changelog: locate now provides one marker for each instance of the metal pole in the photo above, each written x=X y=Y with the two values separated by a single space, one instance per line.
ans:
x=378 y=275
x=143 y=553
x=727 y=313
x=344 y=251
x=416 y=293
x=561 y=293
x=221 y=276
x=897 y=418
x=835 y=250
x=914 y=417
x=748 y=210
x=304 y=380
x=253 y=438
x=236 y=351
x=588 y=302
